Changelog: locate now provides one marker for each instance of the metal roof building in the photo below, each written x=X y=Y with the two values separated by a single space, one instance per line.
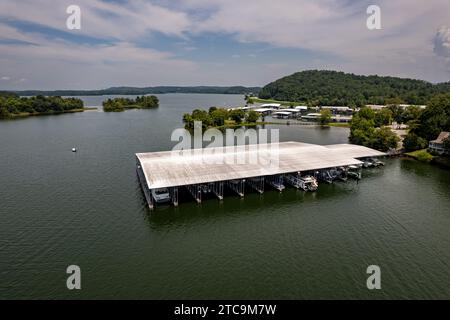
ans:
x=197 y=166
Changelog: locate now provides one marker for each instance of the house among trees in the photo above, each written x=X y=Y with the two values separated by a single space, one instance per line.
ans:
x=438 y=144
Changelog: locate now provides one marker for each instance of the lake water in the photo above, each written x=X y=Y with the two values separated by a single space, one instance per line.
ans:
x=59 y=208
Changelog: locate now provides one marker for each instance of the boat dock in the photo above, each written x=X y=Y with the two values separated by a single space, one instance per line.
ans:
x=211 y=170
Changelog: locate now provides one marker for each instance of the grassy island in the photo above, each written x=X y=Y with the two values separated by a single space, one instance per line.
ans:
x=13 y=106
x=122 y=104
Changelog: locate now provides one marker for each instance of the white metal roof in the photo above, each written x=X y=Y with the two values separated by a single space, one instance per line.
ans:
x=286 y=113
x=177 y=168
x=276 y=105
x=336 y=108
x=263 y=109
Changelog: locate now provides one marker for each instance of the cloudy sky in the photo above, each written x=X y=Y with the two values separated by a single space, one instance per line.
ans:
x=216 y=42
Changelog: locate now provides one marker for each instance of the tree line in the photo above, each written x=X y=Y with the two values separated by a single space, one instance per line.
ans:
x=317 y=88
x=121 y=104
x=218 y=117
x=369 y=127
x=144 y=91
x=12 y=105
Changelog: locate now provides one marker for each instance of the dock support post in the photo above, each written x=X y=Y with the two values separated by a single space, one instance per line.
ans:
x=257 y=184
x=276 y=181
x=217 y=189
x=237 y=186
x=196 y=192
x=144 y=186
x=174 y=196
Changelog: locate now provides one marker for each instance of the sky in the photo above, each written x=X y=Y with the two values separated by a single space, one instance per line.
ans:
x=216 y=42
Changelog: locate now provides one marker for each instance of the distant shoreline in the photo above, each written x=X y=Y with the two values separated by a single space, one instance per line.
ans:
x=132 y=91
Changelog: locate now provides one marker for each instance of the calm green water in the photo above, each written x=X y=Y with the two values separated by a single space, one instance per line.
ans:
x=59 y=208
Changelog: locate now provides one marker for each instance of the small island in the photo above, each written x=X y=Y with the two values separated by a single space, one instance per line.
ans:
x=122 y=104
x=13 y=106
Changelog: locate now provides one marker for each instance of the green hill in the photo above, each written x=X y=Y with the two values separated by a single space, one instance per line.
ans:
x=338 y=88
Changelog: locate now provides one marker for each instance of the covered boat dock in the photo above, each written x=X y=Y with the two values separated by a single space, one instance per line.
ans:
x=210 y=170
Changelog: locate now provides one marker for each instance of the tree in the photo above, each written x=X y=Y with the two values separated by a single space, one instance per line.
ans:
x=4 y=112
x=413 y=142
x=412 y=113
x=384 y=139
x=447 y=144
x=363 y=130
x=211 y=110
x=383 y=117
x=397 y=113
x=237 y=115
x=252 y=116
x=366 y=113
x=435 y=118
x=219 y=116
x=325 y=117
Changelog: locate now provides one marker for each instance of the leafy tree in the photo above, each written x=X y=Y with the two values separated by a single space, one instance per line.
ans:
x=411 y=113
x=435 y=118
x=4 y=112
x=447 y=144
x=397 y=113
x=413 y=142
x=252 y=116
x=363 y=131
x=384 y=139
x=211 y=110
x=325 y=117
x=367 y=113
x=219 y=116
x=237 y=115
x=383 y=117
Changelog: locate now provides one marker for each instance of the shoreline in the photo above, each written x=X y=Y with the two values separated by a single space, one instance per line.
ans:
x=37 y=114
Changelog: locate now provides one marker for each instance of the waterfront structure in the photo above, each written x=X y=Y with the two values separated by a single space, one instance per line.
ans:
x=211 y=170
x=264 y=111
x=283 y=114
x=378 y=107
x=314 y=117
x=271 y=105
x=338 y=110
x=438 y=144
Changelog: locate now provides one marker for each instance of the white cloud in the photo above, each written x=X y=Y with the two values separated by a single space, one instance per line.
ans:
x=338 y=28
x=334 y=31
x=442 y=42
x=101 y=19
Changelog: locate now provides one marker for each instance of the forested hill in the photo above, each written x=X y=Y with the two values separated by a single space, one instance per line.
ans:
x=338 y=88
x=143 y=91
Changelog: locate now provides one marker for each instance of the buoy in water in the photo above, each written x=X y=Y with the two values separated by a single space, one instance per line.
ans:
x=74 y=149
